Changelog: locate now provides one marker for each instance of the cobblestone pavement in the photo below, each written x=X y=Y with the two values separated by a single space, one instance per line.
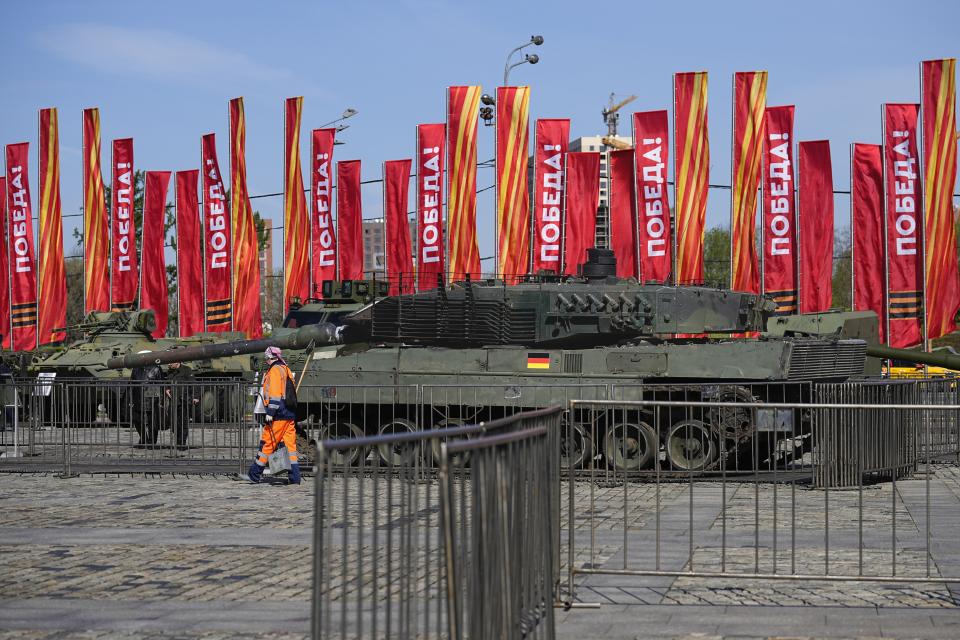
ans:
x=180 y=556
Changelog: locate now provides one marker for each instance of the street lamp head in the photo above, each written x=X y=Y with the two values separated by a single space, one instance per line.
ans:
x=349 y=112
x=487 y=99
x=537 y=40
x=341 y=127
x=532 y=58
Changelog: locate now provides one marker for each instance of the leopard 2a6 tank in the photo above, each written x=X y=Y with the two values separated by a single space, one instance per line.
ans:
x=475 y=351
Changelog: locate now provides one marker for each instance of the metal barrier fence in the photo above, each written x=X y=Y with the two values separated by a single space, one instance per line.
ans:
x=117 y=426
x=127 y=426
x=636 y=512
x=941 y=441
x=404 y=548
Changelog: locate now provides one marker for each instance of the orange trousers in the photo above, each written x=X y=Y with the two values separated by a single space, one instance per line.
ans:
x=272 y=435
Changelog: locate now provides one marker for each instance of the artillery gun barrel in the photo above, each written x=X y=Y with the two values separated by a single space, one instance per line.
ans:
x=945 y=360
x=317 y=334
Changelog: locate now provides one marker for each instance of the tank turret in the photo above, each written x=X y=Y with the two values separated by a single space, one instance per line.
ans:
x=594 y=309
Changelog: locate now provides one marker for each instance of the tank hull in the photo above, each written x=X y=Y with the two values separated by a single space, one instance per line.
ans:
x=351 y=391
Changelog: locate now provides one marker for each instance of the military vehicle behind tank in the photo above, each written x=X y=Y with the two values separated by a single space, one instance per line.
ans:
x=479 y=350
x=117 y=333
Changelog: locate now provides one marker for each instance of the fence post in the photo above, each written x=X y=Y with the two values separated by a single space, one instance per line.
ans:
x=446 y=512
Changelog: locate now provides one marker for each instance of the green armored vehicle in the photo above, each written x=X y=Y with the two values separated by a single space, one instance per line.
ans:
x=475 y=351
x=118 y=333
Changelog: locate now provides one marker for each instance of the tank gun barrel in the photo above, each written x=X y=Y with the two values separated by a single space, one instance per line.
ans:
x=317 y=334
x=945 y=360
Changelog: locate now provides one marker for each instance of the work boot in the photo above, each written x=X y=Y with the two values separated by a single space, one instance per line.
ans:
x=255 y=473
x=295 y=473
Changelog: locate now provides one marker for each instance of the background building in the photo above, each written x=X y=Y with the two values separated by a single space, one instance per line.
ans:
x=596 y=144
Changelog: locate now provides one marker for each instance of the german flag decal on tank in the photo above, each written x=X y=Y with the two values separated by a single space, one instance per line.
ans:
x=538 y=360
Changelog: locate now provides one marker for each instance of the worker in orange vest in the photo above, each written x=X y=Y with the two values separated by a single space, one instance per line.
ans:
x=279 y=426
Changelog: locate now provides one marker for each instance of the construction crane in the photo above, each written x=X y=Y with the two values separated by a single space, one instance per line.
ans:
x=611 y=115
x=616 y=143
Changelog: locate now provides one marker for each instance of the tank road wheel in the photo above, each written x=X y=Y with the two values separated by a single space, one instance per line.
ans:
x=398 y=454
x=457 y=459
x=630 y=447
x=349 y=457
x=576 y=449
x=690 y=446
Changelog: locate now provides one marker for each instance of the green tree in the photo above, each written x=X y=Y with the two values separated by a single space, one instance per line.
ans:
x=716 y=258
x=842 y=271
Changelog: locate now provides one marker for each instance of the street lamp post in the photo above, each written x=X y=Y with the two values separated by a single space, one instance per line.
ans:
x=532 y=58
x=349 y=112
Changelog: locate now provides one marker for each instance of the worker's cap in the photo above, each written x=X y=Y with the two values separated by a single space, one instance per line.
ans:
x=273 y=353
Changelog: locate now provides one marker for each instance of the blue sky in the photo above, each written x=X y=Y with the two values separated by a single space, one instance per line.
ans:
x=164 y=72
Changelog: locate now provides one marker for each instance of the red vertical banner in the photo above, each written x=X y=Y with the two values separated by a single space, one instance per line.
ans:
x=815 y=216
x=52 y=295
x=622 y=203
x=651 y=131
x=96 y=229
x=866 y=227
x=246 y=253
x=123 y=252
x=904 y=226
x=296 y=225
x=938 y=88
x=189 y=255
x=551 y=140
x=20 y=250
x=324 y=239
x=396 y=195
x=513 y=206
x=153 y=268
x=349 y=220
x=431 y=139
x=463 y=108
x=779 y=236
x=4 y=269
x=580 y=212
x=692 y=172
x=218 y=314
x=749 y=103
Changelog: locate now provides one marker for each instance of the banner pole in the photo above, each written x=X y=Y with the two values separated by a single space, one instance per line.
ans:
x=637 y=216
x=762 y=258
x=113 y=195
x=230 y=200
x=203 y=234
x=496 y=187
x=386 y=230
x=176 y=232
x=39 y=217
x=853 y=276
x=563 y=234
x=311 y=216
x=448 y=267
x=886 y=246
x=532 y=231
x=922 y=222
x=5 y=238
x=83 y=189
x=733 y=177
x=416 y=245
x=676 y=203
x=146 y=184
x=796 y=222
x=283 y=233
